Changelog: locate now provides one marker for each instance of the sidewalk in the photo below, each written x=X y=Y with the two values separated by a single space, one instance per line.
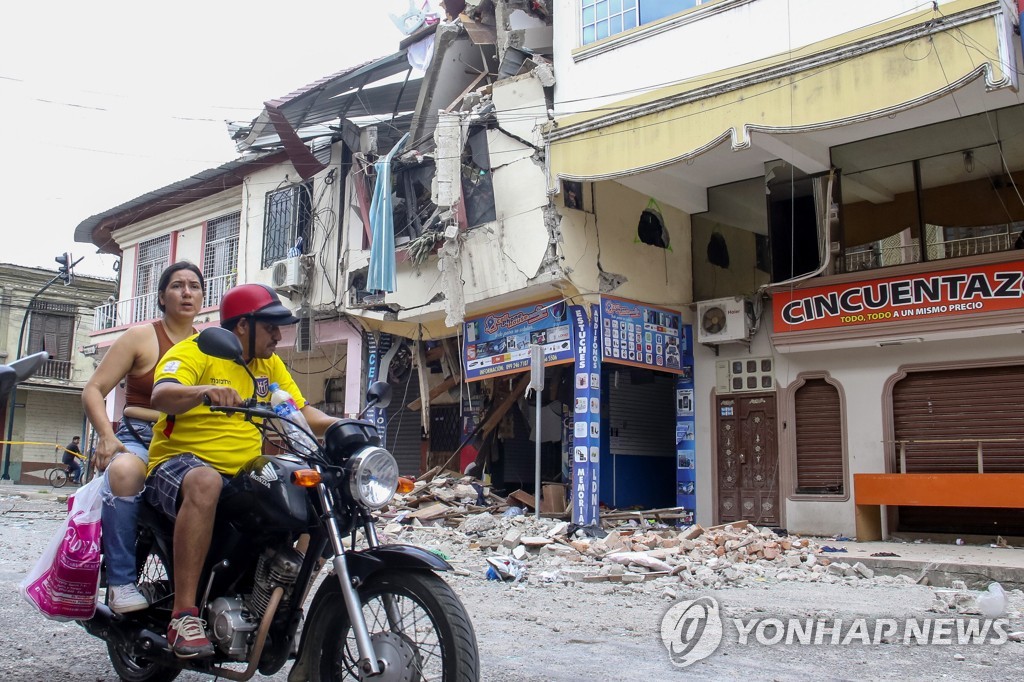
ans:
x=38 y=493
x=940 y=563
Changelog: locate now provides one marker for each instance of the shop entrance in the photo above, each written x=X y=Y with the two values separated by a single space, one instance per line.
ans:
x=747 y=460
x=638 y=456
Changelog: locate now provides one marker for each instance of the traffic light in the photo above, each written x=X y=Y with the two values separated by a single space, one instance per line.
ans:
x=66 y=269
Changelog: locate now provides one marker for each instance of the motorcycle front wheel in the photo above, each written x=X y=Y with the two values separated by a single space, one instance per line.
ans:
x=155 y=583
x=418 y=627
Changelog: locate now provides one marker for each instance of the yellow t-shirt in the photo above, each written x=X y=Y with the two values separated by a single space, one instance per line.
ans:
x=225 y=441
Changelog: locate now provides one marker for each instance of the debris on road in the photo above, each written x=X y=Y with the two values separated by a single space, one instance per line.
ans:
x=461 y=516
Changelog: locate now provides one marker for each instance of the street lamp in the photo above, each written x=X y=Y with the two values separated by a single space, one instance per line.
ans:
x=65 y=273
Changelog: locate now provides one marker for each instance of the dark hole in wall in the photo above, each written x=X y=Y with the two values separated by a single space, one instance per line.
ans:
x=718 y=251
x=793 y=230
x=651 y=229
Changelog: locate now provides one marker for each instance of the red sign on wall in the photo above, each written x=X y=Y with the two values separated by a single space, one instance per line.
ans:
x=943 y=293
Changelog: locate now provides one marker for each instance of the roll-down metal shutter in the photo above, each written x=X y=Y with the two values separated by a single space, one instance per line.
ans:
x=404 y=432
x=819 y=439
x=642 y=414
x=965 y=406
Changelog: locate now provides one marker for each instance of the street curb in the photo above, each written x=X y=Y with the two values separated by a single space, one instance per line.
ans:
x=943 y=573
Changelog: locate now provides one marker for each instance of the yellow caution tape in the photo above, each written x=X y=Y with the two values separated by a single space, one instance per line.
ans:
x=33 y=442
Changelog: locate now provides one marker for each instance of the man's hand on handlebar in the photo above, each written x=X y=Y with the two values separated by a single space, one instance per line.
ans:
x=220 y=396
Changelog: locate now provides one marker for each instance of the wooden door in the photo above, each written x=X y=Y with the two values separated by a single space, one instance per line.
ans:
x=748 y=460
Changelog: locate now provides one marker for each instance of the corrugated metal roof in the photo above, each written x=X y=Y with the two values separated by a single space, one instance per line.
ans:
x=347 y=94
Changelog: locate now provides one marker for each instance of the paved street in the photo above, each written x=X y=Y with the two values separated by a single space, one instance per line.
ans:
x=540 y=631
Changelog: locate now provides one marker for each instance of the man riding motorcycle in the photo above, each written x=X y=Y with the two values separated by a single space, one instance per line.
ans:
x=194 y=450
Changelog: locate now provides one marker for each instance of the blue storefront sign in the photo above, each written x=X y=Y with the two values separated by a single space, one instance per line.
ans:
x=686 y=451
x=586 y=437
x=376 y=349
x=641 y=335
x=499 y=343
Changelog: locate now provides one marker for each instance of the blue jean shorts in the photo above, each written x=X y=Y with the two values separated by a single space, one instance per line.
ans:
x=135 y=435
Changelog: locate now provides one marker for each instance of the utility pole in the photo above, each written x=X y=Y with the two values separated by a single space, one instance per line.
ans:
x=65 y=273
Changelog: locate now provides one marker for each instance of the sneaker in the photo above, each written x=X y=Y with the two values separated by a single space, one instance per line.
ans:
x=125 y=598
x=187 y=635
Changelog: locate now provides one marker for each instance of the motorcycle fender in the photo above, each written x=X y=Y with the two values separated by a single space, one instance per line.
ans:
x=361 y=565
x=365 y=563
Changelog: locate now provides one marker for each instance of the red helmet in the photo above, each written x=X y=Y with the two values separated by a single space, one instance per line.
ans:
x=257 y=301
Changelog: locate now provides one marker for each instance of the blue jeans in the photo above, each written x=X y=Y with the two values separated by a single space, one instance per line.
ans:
x=120 y=514
x=75 y=471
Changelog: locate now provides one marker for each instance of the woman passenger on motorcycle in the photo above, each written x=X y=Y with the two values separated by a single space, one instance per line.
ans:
x=133 y=358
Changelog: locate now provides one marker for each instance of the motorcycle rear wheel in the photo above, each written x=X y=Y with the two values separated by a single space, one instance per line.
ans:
x=433 y=639
x=154 y=582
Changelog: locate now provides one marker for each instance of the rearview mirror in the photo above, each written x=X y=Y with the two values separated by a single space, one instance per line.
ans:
x=220 y=343
x=379 y=394
x=8 y=380
x=28 y=365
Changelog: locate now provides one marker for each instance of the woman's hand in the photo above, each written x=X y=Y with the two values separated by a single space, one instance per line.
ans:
x=107 y=447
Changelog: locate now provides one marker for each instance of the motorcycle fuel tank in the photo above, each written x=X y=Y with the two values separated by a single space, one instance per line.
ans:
x=262 y=496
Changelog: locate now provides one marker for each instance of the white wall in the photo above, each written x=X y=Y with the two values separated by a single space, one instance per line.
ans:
x=703 y=40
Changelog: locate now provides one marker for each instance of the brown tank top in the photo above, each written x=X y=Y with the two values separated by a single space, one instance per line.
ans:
x=139 y=389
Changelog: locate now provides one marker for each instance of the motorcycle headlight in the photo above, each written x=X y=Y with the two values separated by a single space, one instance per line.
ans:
x=373 y=477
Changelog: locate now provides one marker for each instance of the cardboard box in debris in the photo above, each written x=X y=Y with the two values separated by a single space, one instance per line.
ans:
x=630 y=545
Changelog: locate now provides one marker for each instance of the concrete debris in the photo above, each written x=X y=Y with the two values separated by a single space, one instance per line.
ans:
x=463 y=519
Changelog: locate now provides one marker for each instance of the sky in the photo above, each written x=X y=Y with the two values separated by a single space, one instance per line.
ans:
x=104 y=101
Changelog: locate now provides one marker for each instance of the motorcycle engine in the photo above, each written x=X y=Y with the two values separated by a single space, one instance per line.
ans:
x=230 y=626
x=233 y=619
x=273 y=569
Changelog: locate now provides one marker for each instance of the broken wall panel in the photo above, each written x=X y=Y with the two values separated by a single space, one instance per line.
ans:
x=522 y=107
x=506 y=149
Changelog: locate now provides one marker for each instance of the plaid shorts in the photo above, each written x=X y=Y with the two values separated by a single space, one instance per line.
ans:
x=163 y=487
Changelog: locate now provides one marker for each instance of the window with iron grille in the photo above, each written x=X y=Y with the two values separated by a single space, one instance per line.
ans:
x=819 y=439
x=220 y=257
x=154 y=256
x=287 y=217
x=52 y=329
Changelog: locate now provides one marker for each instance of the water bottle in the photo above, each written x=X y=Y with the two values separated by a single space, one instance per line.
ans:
x=294 y=423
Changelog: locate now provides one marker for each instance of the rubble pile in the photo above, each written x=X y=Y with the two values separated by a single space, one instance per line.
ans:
x=458 y=517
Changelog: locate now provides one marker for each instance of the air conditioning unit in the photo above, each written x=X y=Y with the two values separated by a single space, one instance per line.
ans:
x=288 y=276
x=723 y=320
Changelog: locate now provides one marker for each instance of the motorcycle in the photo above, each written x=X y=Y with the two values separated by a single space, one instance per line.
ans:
x=381 y=613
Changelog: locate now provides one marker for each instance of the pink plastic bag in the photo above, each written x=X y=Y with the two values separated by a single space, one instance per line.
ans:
x=65 y=580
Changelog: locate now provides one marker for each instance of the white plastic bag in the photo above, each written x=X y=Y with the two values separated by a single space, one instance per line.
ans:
x=65 y=580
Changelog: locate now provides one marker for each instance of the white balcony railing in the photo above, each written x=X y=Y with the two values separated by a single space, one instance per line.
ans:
x=144 y=308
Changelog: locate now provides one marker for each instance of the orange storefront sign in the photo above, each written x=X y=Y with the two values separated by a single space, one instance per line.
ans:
x=943 y=293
